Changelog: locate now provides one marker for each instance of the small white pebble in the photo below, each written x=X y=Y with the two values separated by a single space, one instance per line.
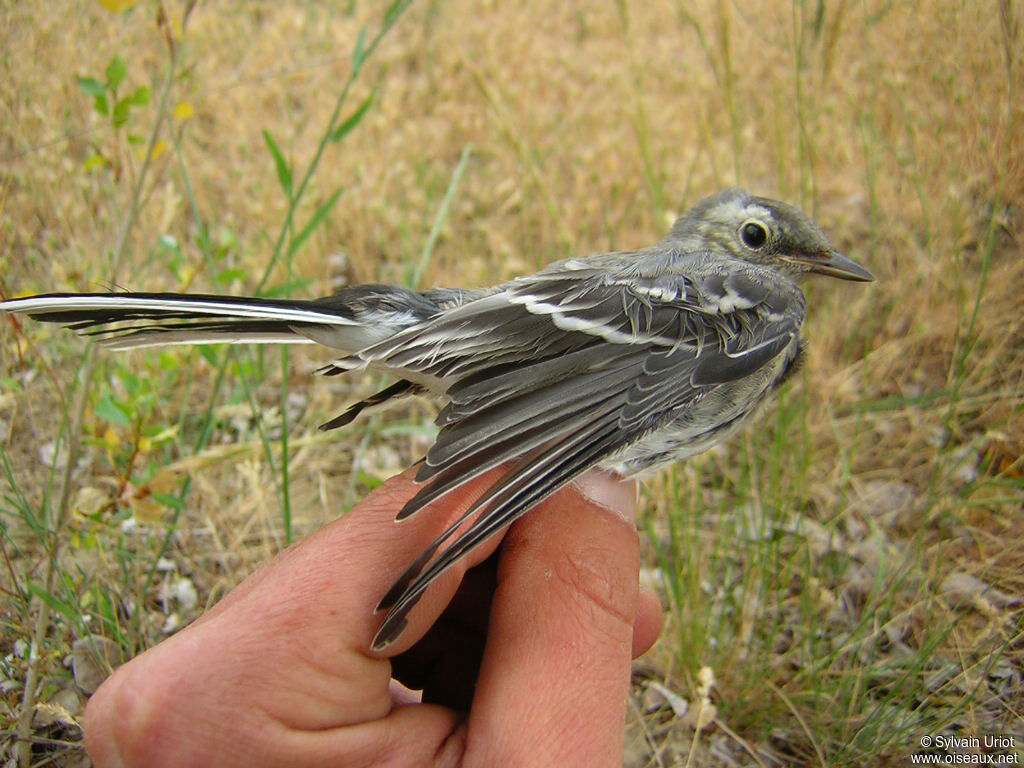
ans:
x=185 y=592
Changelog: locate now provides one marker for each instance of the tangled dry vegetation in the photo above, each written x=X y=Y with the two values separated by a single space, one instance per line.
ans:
x=848 y=574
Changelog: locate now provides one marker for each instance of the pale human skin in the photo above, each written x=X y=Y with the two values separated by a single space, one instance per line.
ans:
x=279 y=673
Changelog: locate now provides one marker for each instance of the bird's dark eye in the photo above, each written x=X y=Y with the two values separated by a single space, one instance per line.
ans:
x=754 y=234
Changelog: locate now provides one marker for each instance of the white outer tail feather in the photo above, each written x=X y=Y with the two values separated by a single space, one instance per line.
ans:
x=35 y=304
x=148 y=339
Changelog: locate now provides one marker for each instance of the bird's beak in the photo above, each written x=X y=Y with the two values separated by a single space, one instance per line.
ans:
x=834 y=264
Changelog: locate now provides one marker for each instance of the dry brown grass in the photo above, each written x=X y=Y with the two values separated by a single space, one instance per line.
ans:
x=898 y=124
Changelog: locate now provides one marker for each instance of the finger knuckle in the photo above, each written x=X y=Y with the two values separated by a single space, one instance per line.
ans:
x=595 y=581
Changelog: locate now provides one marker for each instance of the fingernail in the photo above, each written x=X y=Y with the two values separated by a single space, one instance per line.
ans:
x=610 y=491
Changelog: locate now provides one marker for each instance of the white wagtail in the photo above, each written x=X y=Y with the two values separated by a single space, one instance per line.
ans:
x=625 y=361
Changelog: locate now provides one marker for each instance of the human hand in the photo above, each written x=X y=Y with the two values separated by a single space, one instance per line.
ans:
x=279 y=673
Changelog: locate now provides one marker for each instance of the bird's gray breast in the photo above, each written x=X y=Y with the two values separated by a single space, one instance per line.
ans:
x=716 y=415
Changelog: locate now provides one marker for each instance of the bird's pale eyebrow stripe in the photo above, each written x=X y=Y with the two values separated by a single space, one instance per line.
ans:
x=737 y=209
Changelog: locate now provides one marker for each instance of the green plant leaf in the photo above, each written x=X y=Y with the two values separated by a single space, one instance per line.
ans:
x=51 y=600
x=226 y=276
x=208 y=354
x=116 y=71
x=92 y=162
x=110 y=410
x=122 y=111
x=91 y=86
x=203 y=241
x=359 y=52
x=169 y=243
x=226 y=238
x=284 y=171
x=352 y=120
x=141 y=96
x=393 y=12
x=173 y=502
x=169 y=361
x=131 y=383
x=313 y=223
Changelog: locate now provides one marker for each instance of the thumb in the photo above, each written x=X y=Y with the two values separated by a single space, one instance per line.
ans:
x=553 y=683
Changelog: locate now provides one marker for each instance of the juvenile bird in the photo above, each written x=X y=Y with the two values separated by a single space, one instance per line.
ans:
x=625 y=361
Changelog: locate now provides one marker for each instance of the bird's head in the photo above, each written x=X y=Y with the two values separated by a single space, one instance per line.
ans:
x=763 y=231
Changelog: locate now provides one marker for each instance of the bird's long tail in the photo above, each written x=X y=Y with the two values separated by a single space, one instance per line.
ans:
x=349 y=320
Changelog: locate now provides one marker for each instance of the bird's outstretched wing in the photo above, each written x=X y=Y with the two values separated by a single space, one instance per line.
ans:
x=560 y=372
